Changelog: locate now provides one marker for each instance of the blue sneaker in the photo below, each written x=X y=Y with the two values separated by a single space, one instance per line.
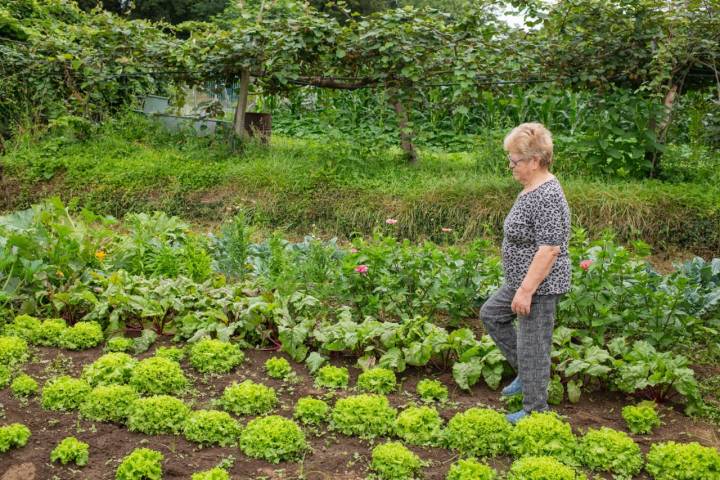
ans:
x=515 y=417
x=513 y=389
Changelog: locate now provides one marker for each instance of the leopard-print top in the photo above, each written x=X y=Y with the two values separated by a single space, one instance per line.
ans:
x=538 y=217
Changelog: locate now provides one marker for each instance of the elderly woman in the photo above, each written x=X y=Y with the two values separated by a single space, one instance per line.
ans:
x=536 y=267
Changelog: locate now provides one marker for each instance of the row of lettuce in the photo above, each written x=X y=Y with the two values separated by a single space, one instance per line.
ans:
x=393 y=304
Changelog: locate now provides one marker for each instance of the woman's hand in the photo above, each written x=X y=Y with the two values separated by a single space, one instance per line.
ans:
x=521 y=302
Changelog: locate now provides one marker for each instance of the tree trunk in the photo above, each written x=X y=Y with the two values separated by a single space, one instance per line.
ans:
x=241 y=108
x=406 y=134
x=662 y=128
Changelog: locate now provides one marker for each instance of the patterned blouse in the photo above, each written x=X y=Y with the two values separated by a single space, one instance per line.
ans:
x=538 y=217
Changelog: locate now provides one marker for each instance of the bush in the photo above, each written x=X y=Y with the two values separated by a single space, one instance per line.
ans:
x=14 y=435
x=431 y=390
x=543 y=434
x=366 y=415
x=216 y=473
x=109 y=403
x=683 y=461
x=611 y=451
x=119 y=344
x=111 y=368
x=64 y=393
x=542 y=468
x=248 y=398
x=273 y=438
x=171 y=353
x=377 y=380
x=330 y=376
x=213 y=356
x=393 y=461
x=278 y=367
x=81 y=336
x=157 y=376
x=71 y=450
x=13 y=351
x=158 y=414
x=141 y=464
x=51 y=332
x=212 y=427
x=5 y=376
x=478 y=431
x=25 y=327
x=641 y=418
x=24 y=386
x=419 y=426
x=471 y=469
x=311 y=411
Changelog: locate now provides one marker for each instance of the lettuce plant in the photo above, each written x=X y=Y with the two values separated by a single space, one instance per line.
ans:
x=157 y=376
x=171 y=353
x=273 y=438
x=13 y=351
x=158 y=414
x=214 y=356
x=24 y=386
x=608 y=450
x=81 y=336
x=471 y=469
x=141 y=464
x=111 y=368
x=51 y=332
x=478 y=431
x=64 y=393
x=71 y=450
x=377 y=380
x=119 y=344
x=278 y=368
x=542 y=468
x=641 y=418
x=431 y=390
x=543 y=434
x=212 y=427
x=366 y=415
x=311 y=411
x=216 y=473
x=25 y=327
x=5 y=376
x=419 y=426
x=683 y=461
x=14 y=435
x=393 y=461
x=109 y=403
x=248 y=398
x=331 y=376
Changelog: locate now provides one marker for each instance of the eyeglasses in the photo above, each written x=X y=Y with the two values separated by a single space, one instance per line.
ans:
x=513 y=163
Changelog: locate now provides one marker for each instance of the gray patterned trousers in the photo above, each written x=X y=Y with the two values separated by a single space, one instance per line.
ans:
x=527 y=348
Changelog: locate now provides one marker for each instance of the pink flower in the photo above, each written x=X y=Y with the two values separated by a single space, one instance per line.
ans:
x=361 y=269
x=391 y=221
x=353 y=250
x=446 y=230
x=585 y=264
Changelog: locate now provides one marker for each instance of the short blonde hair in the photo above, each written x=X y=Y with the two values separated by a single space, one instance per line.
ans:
x=531 y=140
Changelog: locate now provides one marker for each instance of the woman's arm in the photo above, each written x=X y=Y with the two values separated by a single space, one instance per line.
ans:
x=540 y=267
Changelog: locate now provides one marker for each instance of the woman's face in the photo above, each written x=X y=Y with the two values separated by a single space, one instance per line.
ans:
x=522 y=167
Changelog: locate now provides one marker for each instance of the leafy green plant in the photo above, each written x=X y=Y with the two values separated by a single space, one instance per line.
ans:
x=248 y=398
x=5 y=376
x=70 y=449
x=273 y=438
x=393 y=461
x=608 y=450
x=641 y=418
x=331 y=376
x=109 y=403
x=431 y=390
x=542 y=434
x=24 y=386
x=419 y=426
x=214 y=356
x=119 y=344
x=311 y=411
x=158 y=414
x=478 y=431
x=156 y=376
x=366 y=415
x=542 y=468
x=377 y=380
x=682 y=461
x=81 y=336
x=141 y=464
x=13 y=351
x=14 y=435
x=470 y=469
x=212 y=427
x=64 y=393
x=111 y=368
x=171 y=353
x=25 y=327
x=278 y=367
x=216 y=473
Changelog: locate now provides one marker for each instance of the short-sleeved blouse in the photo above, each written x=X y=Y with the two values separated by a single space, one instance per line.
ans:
x=538 y=217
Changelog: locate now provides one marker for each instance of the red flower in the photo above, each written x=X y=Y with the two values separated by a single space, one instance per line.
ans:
x=361 y=269
x=585 y=264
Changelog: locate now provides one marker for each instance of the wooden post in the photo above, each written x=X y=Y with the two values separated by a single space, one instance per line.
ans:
x=241 y=108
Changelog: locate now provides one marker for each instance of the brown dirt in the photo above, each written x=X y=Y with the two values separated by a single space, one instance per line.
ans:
x=333 y=456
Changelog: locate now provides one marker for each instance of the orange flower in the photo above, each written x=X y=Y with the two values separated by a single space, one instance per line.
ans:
x=100 y=255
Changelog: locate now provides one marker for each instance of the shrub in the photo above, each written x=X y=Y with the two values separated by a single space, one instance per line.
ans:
x=25 y=327
x=478 y=431
x=683 y=461
x=213 y=356
x=141 y=464
x=431 y=390
x=542 y=434
x=278 y=367
x=311 y=411
x=24 y=386
x=13 y=351
x=542 y=468
x=111 y=368
x=109 y=403
x=171 y=353
x=330 y=376
x=81 y=336
x=377 y=380
x=641 y=418
x=471 y=469
x=14 y=435
x=248 y=398
x=216 y=473
x=610 y=451
x=393 y=461
x=51 y=332
x=5 y=376
x=119 y=344
x=366 y=415
x=71 y=450
x=419 y=426
x=212 y=427
x=273 y=438
x=157 y=376
x=64 y=393
x=158 y=414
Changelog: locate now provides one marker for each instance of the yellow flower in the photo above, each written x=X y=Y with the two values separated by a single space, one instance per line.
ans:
x=100 y=255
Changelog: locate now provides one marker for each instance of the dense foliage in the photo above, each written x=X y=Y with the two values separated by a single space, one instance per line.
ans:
x=480 y=432
x=393 y=461
x=111 y=403
x=248 y=398
x=64 y=393
x=141 y=463
x=366 y=416
x=273 y=438
x=158 y=414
